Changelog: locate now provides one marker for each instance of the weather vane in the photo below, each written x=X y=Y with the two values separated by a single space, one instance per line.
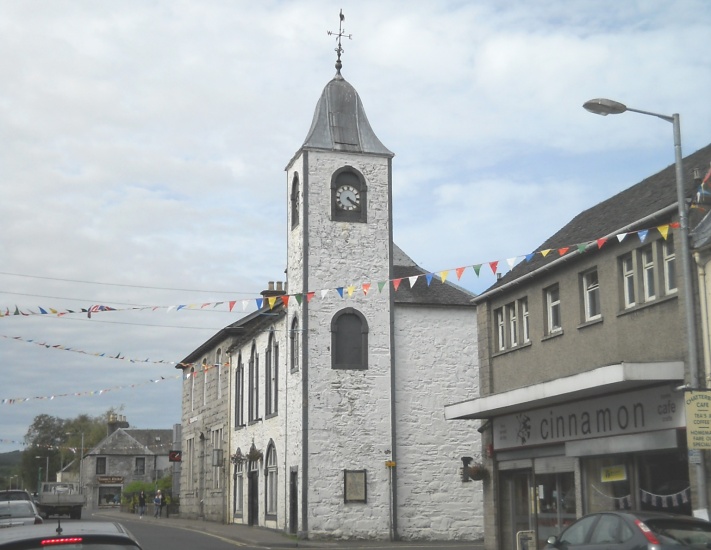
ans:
x=341 y=34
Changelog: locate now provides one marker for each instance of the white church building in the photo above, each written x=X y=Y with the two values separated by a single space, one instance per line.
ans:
x=322 y=413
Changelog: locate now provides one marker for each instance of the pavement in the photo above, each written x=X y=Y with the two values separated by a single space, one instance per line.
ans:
x=246 y=535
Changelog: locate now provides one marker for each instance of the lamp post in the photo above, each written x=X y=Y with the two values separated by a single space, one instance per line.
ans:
x=46 y=473
x=606 y=107
x=81 y=462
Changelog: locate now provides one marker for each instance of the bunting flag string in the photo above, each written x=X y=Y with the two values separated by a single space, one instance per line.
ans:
x=342 y=291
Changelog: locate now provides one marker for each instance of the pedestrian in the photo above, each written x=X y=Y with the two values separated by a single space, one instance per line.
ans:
x=158 y=503
x=141 y=504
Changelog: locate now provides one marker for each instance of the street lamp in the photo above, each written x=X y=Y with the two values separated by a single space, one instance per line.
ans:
x=46 y=472
x=606 y=107
x=81 y=461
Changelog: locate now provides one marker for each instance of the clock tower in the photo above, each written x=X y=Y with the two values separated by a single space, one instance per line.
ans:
x=340 y=330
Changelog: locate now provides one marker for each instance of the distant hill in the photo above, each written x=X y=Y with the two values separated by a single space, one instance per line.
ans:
x=10 y=460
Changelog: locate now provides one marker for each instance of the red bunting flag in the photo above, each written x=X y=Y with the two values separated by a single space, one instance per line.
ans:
x=494 y=266
x=396 y=283
x=459 y=271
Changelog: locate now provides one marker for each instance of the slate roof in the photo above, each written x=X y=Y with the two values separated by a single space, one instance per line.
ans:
x=139 y=441
x=340 y=123
x=635 y=208
x=447 y=294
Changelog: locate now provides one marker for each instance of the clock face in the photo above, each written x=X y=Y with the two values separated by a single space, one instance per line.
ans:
x=347 y=198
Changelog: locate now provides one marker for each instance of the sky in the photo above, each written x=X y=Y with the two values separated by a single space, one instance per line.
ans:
x=144 y=146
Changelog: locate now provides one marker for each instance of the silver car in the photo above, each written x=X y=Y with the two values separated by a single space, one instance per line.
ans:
x=18 y=512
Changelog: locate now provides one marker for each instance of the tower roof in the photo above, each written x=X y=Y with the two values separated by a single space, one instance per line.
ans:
x=340 y=123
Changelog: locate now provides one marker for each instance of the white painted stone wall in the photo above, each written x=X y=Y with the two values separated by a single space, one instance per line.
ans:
x=436 y=363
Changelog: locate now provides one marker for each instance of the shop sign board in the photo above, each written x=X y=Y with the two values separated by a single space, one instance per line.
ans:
x=698 y=419
x=646 y=410
x=613 y=473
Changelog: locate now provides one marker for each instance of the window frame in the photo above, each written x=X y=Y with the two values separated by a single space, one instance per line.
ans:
x=271 y=376
x=104 y=468
x=271 y=489
x=239 y=393
x=294 y=345
x=500 y=325
x=592 y=304
x=294 y=200
x=338 y=334
x=553 y=310
x=512 y=323
x=627 y=277
x=648 y=272
x=253 y=384
x=669 y=265
x=218 y=366
x=525 y=320
x=137 y=470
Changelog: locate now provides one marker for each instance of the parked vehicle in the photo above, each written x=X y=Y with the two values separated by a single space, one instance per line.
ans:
x=18 y=512
x=60 y=499
x=630 y=530
x=16 y=494
x=89 y=535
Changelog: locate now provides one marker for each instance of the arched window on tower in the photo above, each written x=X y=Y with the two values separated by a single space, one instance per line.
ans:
x=295 y=348
x=349 y=340
x=349 y=196
x=295 y=201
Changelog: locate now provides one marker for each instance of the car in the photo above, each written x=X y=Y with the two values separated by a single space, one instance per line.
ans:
x=88 y=535
x=628 y=530
x=16 y=494
x=18 y=512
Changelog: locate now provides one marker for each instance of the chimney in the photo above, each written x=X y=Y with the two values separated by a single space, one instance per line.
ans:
x=116 y=422
x=271 y=291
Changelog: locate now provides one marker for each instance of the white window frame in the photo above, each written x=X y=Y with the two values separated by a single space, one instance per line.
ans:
x=669 y=260
x=554 y=321
x=218 y=366
x=254 y=384
x=525 y=321
x=628 y=280
x=216 y=441
x=239 y=489
x=512 y=319
x=500 y=329
x=649 y=282
x=272 y=487
x=591 y=295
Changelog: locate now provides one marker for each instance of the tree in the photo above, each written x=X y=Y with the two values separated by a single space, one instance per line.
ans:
x=56 y=442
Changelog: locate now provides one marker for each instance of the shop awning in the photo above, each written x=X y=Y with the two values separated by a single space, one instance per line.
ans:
x=600 y=381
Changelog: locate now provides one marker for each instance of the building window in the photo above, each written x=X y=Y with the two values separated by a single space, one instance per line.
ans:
x=204 y=381
x=190 y=466
x=254 y=384
x=295 y=201
x=238 y=487
x=349 y=196
x=500 y=329
x=140 y=469
x=218 y=366
x=271 y=375
x=648 y=276
x=239 y=393
x=628 y=285
x=294 y=341
x=349 y=340
x=525 y=326
x=512 y=319
x=216 y=440
x=553 y=320
x=100 y=465
x=192 y=388
x=271 y=475
x=591 y=296
x=669 y=258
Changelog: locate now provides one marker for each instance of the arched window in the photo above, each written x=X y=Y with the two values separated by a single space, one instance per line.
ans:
x=271 y=376
x=239 y=393
x=254 y=384
x=349 y=196
x=238 y=503
x=295 y=348
x=218 y=366
x=204 y=381
x=192 y=388
x=295 y=201
x=271 y=481
x=349 y=340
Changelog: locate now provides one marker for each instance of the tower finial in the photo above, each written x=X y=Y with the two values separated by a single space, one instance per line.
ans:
x=341 y=34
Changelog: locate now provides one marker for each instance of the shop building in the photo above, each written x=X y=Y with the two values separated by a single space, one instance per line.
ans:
x=583 y=370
